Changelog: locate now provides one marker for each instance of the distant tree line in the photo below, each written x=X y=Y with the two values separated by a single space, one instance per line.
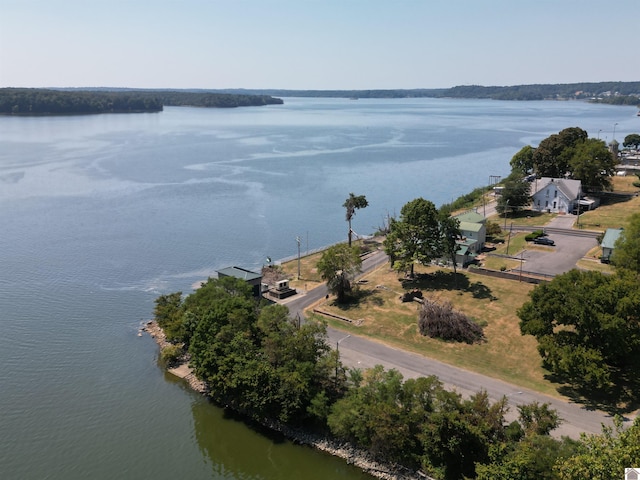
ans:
x=37 y=101
x=604 y=91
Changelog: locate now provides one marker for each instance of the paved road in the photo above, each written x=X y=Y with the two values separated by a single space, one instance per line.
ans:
x=363 y=353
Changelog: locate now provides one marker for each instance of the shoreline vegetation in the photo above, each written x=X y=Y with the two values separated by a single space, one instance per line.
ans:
x=84 y=101
x=353 y=456
x=38 y=101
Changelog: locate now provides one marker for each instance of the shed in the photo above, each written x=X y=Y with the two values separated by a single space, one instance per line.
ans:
x=608 y=243
x=252 y=278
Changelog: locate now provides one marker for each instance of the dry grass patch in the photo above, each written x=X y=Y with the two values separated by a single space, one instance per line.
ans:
x=625 y=184
x=504 y=354
x=613 y=212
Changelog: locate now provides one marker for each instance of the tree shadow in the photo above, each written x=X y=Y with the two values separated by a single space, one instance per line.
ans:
x=356 y=297
x=621 y=399
x=441 y=280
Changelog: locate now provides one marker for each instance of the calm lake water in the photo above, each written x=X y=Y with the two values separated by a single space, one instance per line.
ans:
x=101 y=214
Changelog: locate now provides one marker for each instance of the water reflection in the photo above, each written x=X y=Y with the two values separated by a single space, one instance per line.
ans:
x=236 y=451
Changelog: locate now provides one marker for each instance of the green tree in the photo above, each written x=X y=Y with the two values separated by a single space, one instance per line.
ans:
x=459 y=434
x=523 y=160
x=372 y=416
x=550 y=158
x=254 y=358
x=538 y=419
x=587 y=325
x=415 y=237
x=591 y=162
x=515 y=194
x=351 y=204
x=338 y=266
x=626 y=254
x=604 y=456
x=169 y=315
x=632 y=140
x=450 y=234
x=532 y=458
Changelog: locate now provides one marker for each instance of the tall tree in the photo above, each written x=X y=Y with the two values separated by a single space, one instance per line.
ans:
x=338 y=266
x=604 y=456
x=352 y=204
x=587 y=325
x=632 y=140
x=591 y=162
x=626 y=254
x=450 y=234
x=515 y=194
x=523 y=160
x=550 y=158
x=415 y=237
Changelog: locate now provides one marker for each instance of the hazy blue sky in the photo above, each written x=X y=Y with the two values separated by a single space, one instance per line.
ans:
x=309 y=44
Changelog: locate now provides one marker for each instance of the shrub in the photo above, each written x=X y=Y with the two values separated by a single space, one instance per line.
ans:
x=530 y=237
x=171 y=353
x=442 y=321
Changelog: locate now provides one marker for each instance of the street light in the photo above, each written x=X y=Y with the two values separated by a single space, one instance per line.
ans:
x=599 y=134
x=614 y=132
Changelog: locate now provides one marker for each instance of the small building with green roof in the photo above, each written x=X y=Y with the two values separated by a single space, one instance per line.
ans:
x=252 y=278
x=608 y=243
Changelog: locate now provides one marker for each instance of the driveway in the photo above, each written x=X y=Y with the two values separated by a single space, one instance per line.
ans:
x=558 y=259
x=570 y=246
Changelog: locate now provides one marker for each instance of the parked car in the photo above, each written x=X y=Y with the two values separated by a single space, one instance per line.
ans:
x=544 y=241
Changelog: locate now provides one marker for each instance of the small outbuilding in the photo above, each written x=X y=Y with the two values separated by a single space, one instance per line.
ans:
x=252 y=278
x=608 y=243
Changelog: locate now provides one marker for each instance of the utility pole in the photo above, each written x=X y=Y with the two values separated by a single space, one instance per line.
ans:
x=506 y=207
x=298 y=240
x=338 y=357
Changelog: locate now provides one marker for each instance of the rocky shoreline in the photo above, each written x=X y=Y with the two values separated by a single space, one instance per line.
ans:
x=352 y=455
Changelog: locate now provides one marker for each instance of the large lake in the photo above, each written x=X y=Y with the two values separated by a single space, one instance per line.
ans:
x=100 y=214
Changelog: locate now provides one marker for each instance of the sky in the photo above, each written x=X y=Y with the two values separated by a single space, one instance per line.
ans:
x=316 y=44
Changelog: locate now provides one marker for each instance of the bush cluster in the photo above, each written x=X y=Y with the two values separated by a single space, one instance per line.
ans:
x=442 y=321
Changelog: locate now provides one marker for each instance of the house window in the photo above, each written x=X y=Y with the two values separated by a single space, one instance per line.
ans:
x=555 y=193
x=538 y=202
x=554 y=204
x=547 y=192
x=546 y=203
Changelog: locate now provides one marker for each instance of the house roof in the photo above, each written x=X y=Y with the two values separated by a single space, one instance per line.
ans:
x=239 y=272
x=610 y=237
x=470 y=216
x=568 y=187
x=471 y=227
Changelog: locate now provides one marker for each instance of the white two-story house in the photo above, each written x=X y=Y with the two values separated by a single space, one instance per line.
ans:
x=555 y=195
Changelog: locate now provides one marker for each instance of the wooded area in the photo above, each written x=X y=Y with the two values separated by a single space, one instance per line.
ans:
x=37 y=101
x=626 y=93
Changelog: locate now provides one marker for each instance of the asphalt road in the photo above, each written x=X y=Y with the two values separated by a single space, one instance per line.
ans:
x=360 y=352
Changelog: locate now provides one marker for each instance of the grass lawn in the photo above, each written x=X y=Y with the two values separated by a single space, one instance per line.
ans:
x=505 y=354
